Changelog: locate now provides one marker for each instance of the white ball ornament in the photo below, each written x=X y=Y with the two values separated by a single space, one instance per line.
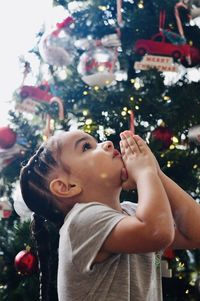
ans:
x=97 y=66
x=194 y=134
x=57 y=48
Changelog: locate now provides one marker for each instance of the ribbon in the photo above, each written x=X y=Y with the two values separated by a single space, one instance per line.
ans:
x=66 y=22
x=60 y=115
x=180 y=26
x=119 y=12
x=178 y=20
x=132 y=126
x=162 y=19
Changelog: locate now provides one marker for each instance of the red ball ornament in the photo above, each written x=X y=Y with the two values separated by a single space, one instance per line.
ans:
x=26 y=262
x=163 y=135
x=7 y=137
x=5 y=208
x=169 y=253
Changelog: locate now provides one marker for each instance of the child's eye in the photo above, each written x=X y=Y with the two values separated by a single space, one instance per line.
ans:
x=86 y=146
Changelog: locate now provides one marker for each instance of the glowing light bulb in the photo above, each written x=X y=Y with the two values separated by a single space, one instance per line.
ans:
x=85 y=112
x=88 y=122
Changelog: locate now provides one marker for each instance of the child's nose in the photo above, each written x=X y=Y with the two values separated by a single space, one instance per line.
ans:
x=108 y=146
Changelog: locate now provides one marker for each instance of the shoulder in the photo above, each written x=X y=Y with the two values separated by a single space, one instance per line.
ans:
x=92 y=213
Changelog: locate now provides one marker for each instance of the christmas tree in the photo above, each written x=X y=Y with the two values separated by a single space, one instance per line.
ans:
x=106 y=67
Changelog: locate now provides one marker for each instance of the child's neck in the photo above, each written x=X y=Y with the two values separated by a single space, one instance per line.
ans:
x=109 y=198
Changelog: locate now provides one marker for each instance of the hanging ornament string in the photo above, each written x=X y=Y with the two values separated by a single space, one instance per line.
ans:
x=162 y=20
x=57 y=100
x=26 y=71
x=119 y=12
x=65 y=23
x=119 y=17
x=178 y=19
x=132 y=125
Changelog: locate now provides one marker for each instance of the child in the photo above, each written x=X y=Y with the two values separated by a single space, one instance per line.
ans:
x=107 y=250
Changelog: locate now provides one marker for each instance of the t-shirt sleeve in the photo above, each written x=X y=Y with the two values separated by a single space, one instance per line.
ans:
x=88 y=229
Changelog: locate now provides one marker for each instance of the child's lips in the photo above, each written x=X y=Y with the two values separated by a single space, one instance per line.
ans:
x=116 y=153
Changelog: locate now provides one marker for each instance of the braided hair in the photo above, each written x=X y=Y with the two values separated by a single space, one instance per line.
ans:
x=34 y=183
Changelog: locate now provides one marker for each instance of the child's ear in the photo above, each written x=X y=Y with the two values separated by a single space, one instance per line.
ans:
x=62 y=188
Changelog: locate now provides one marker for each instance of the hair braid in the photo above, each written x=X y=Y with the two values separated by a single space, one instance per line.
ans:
x=34 y=182
x=41 y=236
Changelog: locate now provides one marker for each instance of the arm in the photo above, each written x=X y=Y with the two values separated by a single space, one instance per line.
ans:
x=152 y=228
x=186 y=213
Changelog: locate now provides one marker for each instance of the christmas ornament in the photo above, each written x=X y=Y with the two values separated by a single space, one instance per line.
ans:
x=169 y=253
x=111 y=40
x=166 y=272
x=57 y=48
x=194 y=134
x=19 y=205
x=161 y=63
x=165 y=43
x=97 y=66
x=26 y=262
x=7 y=156
x=183 y=15
x=5 y=208
x=163 y=135
x=7 y=137
x=11 y=146
x=31 y=96
x=48 y=131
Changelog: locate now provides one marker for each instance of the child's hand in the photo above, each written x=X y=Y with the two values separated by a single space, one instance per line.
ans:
x=137 y=158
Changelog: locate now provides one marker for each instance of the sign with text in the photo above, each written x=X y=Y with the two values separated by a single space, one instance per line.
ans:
x=161 y=63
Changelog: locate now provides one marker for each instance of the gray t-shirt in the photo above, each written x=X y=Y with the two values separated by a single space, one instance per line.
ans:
x=123 y=277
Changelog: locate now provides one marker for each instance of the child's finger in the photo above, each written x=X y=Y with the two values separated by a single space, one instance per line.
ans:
x=132 y=144
x=122 y=148
x=141 y=143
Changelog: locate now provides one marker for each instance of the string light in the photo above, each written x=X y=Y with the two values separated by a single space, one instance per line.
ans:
x=167 y=99
x=141 y=4
x=96 y=88
x=102 y=7
x=137 y=85
x=88 y=122
x=175 y=140
x=85 y=112
x=169 y=163
x=85 y=93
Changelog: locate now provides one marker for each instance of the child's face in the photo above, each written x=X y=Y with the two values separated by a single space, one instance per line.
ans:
x=93 y=164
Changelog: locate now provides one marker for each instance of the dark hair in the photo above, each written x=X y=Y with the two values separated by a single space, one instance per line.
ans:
x=34 y=183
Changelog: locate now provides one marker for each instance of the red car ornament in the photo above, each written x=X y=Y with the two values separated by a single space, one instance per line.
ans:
x=159 y=44
x=35 y=93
